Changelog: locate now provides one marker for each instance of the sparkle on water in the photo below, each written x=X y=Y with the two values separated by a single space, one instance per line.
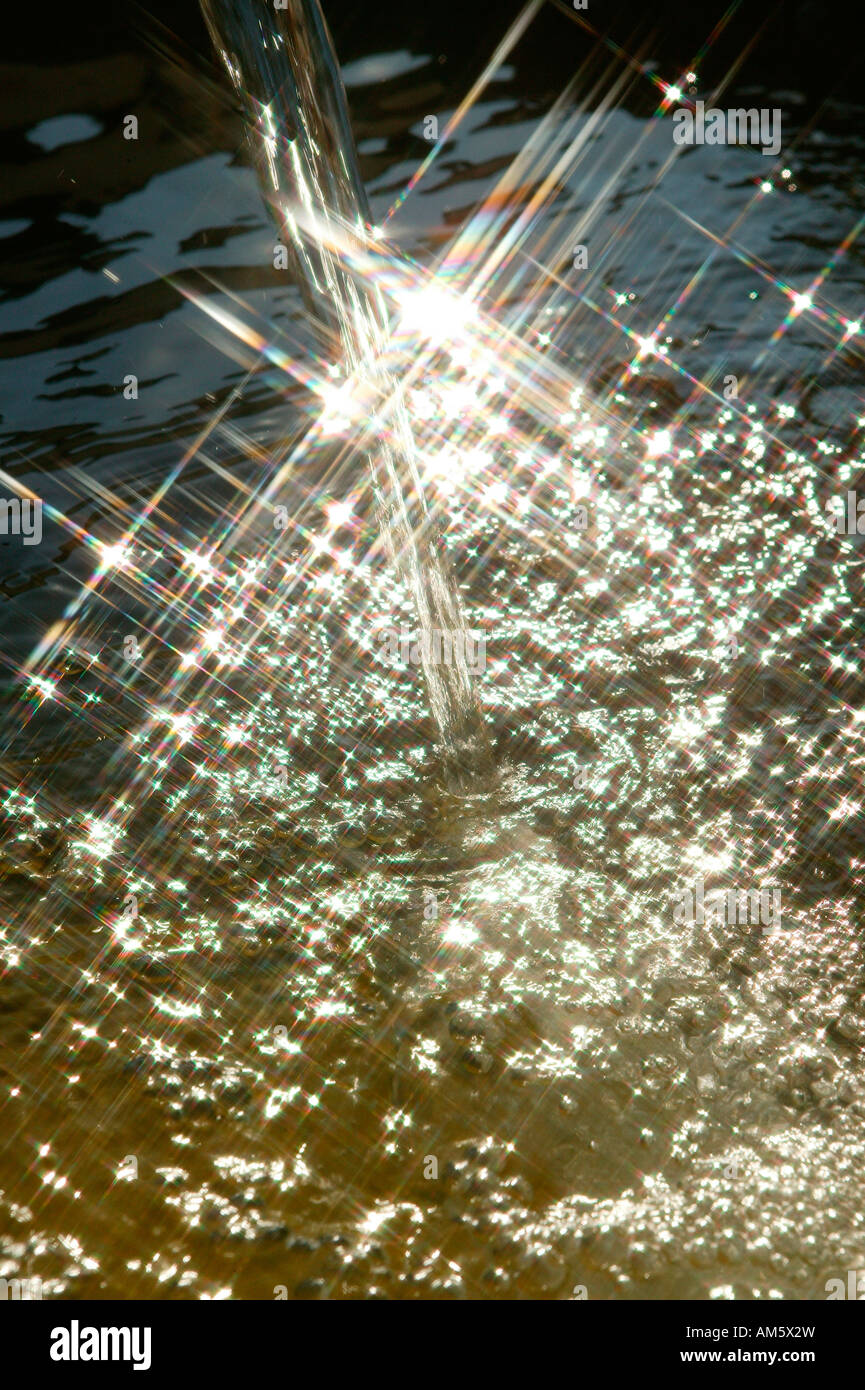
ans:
x=287 y=1011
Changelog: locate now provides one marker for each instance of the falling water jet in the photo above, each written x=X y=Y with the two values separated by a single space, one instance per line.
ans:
x=283 y=65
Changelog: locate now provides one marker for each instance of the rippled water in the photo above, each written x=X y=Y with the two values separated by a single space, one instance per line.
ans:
x=280 y=1012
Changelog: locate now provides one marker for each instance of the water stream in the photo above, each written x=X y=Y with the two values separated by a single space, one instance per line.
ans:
x=282 y=63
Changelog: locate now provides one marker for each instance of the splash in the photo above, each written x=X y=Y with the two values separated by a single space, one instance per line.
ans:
x=283 y=65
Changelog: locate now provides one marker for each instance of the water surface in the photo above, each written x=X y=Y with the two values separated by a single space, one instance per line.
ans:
x=279 y=1010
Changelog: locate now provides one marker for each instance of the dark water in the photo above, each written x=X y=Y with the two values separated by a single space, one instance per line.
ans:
x=278 y=1010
